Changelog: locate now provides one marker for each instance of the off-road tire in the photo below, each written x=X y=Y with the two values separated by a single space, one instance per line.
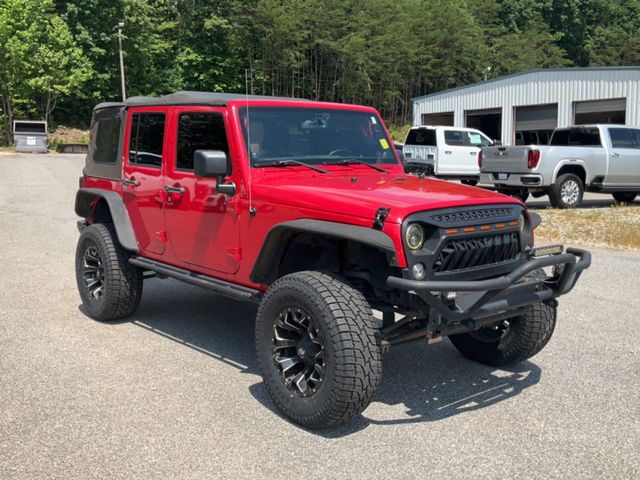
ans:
x=555 y=191
x=122 y=282
x=624 y=197
x=526 y=335
x=353 y=354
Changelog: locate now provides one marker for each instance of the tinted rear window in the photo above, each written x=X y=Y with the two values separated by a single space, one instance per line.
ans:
x=105 y=133
x=576 y=137
x=621 y=138
x=422 y=136
x=147 y=138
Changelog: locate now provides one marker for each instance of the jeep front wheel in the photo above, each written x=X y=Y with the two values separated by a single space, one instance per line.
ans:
x=318 y=349
x=109 y=286
x=511 y=341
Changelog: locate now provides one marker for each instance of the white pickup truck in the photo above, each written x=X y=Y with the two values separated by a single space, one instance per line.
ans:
x=445 y=152
x=595 y=158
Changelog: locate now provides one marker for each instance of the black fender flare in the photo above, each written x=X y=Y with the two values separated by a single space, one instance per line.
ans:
x=274 y=247
x=121 y=221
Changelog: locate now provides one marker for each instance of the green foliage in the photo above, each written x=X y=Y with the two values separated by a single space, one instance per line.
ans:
x=64 y=53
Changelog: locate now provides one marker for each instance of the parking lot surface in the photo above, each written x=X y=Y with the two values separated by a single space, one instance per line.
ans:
x=173 y=392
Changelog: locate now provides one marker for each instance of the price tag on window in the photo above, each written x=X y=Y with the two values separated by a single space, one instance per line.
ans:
x=475 y=139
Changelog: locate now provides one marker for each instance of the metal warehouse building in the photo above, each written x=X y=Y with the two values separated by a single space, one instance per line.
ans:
x=525 y=107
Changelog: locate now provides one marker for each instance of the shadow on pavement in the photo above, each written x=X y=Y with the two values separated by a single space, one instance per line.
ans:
x=420 y=383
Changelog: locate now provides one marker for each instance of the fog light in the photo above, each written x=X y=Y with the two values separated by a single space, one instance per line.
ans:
x=418 y=271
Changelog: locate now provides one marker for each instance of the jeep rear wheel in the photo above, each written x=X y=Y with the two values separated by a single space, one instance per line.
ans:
x=318 y=349
x=511 y=341
x=109 y=286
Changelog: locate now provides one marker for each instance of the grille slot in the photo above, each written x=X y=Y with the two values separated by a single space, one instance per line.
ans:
x=481 y=214
x=465 y=253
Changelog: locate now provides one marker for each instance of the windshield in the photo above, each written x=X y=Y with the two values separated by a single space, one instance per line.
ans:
x=314 y=136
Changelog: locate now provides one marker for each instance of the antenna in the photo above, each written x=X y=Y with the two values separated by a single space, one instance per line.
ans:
x=252 y=209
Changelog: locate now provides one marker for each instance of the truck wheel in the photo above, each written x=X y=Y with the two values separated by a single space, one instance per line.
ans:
x=110 y=287
x=624 y=197
x=567 y=192
x=512 y=341
x=318 y=350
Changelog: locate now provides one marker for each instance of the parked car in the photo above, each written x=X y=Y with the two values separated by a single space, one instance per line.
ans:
x=445 y=152
x=595 y=158
x=303 y=208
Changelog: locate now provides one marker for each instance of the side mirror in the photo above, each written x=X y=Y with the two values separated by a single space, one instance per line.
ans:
x=214 y=164
x=497 y=143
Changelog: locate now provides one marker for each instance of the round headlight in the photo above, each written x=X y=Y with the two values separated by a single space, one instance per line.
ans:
x=522 y=222
x=414 y=236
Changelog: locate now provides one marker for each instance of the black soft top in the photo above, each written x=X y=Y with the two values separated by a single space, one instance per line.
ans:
x=189 y=98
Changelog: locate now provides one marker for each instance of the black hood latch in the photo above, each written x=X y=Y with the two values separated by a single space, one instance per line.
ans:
x=381 y=216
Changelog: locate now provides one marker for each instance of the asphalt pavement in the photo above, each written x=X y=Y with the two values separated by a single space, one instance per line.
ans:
x=173 y=392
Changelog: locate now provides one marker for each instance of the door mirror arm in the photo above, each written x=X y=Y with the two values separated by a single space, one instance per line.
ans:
x=225 y=188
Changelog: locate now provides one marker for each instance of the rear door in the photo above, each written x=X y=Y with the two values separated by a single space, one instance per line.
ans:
x=202 y=224
x=143 y=180
x=624 y=157
x=456 y=155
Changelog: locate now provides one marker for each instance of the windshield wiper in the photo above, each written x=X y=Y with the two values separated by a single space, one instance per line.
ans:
x=354 y=161
x=287 y=163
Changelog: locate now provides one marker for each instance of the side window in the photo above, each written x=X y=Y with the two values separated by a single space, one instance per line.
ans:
x=635 y=134
x=199 y=131
x=106 y=136
x=476 y=140
x=453 y=137
x=146 y=139
x=621 y=138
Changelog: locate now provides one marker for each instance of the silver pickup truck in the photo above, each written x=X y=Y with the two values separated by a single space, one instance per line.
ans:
x=595 y=158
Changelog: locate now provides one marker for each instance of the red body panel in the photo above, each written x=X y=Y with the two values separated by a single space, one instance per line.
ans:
x=214 y=234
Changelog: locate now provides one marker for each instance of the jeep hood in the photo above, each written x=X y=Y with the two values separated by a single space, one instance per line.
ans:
x=362 y=195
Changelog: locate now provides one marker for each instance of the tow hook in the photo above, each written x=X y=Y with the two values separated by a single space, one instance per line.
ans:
x=381 y=216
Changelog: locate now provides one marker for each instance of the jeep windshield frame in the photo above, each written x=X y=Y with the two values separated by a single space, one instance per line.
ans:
x=317 y=136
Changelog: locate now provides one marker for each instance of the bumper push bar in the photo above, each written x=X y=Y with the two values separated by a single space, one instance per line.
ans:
x=478 y=302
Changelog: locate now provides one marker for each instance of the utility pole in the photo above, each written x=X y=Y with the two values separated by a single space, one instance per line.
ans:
x=120 y=26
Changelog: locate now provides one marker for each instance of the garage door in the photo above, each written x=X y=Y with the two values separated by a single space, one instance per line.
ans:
x=444 y=118
x=535 y=123
x=600 y=111
x=488 y=121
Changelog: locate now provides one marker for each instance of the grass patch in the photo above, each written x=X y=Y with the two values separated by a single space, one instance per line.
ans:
x=615 y=227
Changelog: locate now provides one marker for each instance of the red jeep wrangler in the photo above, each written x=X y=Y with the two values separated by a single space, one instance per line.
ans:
x=304 y=208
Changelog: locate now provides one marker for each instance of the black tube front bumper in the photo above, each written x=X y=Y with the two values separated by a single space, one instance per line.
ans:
x=486 y=298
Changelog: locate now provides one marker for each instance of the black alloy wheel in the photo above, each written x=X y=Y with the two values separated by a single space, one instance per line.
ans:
x=93 y=272
x=298 y=351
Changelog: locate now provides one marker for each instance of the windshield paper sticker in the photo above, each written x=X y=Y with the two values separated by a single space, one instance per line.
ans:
x=373 y=120
x=475 y=138
x=384 y=144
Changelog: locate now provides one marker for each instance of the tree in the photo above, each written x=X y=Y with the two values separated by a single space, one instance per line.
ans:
x=39 y=59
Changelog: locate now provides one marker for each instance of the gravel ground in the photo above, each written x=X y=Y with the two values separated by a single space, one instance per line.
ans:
x=174 y=393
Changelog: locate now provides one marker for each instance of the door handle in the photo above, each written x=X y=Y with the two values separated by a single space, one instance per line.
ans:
x=177 y=189
x=448 y=152
x=473 y=153
x=130 y=182
x=615 y=155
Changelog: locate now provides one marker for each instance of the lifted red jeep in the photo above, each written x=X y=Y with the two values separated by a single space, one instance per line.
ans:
x=304 y=208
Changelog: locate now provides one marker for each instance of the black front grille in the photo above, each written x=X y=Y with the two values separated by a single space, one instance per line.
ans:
x=464 y=253
x=481 y=214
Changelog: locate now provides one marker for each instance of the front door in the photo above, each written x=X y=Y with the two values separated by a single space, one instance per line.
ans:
x=624 y=158
x=142 y=180
x=202 y=224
